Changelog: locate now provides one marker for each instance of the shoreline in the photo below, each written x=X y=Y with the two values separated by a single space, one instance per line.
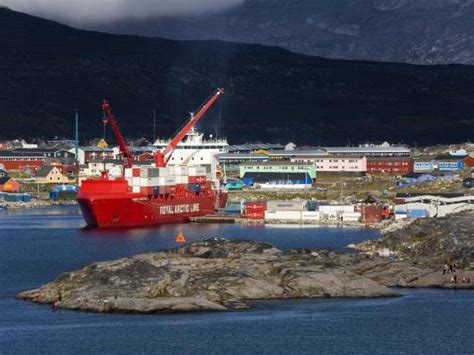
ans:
x=35 y=203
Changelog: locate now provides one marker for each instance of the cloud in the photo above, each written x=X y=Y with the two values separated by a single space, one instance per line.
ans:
x=80 y=11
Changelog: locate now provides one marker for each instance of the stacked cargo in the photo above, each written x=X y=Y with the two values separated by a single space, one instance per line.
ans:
x=15 y=197
x=254 y=210
x=161 y=181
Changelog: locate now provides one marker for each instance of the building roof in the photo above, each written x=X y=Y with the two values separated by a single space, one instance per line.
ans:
x=16 y=154
x=450 y=157
x=96 y=149
x=415 y=175
x=255 y=146
x=277 y=163
x=44 y=171
x=4 y=180
x=242 y=156
x=299 y=153
x=39 y=150
x=367 y=150
x=389 y=159
x=424 y=158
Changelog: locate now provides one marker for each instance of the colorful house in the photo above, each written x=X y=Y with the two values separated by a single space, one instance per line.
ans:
x=469 y=161
x=390 y=165
x=348 y=165
x=278 y=171
x=8 y=184
x=449 y=163
x=50 y=175
x=423 y=164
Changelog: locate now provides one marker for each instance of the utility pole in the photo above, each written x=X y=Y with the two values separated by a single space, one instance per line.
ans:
x=77 y=136
x=154 y=126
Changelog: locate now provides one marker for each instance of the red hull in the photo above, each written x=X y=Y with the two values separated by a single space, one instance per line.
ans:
x=110 y=204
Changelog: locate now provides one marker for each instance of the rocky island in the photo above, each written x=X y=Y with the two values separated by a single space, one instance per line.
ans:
x=219 y=274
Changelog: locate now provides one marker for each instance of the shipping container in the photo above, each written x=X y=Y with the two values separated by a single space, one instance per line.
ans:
x=136 y=189
x=286 y=206
x=331 y=209
x=149 y=182
x=136 y=172
x=197 y=171
x=166 y=181
x=283 y=215
x=136 y=181
x=147 y=190
x=13 y=197
x=194 y=188
x=351 y=216
x=417 y=213
x=197 y=179
x=128 y=173
x=310 y=216
x=27 y=198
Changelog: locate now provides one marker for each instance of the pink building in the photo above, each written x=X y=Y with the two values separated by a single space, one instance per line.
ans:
x=352 y=165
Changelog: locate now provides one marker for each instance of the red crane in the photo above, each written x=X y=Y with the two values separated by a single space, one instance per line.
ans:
x=160 y=159
x=109 y=118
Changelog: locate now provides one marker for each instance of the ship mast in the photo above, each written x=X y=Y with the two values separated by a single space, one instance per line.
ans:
x=160 y=157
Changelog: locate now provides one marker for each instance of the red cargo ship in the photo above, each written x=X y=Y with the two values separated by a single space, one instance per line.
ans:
x=155 y=194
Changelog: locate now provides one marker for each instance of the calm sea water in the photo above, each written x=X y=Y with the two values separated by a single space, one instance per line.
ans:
x=37 y=245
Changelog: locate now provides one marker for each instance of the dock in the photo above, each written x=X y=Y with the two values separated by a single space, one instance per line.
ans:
x=218 y=218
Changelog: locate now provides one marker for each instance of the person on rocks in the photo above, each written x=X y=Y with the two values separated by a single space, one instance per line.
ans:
x=445 y=269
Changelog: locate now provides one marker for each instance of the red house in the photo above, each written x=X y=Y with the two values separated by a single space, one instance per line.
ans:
x=469 y=161
x=390 y=165
x=7 y=184
x=18 y=160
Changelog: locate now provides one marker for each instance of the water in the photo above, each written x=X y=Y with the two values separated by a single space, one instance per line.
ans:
x=37 y=245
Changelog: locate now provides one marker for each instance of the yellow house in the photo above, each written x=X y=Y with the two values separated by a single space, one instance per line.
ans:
x=50 y=175
x=102 y=143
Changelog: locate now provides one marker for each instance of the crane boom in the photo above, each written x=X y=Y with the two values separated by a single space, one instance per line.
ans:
x=160 y=159
x=118 y=136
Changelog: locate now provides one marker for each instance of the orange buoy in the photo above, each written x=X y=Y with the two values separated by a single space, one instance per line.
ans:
x=180 y=238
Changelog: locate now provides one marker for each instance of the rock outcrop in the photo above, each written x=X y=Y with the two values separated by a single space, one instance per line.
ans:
x=214 y=274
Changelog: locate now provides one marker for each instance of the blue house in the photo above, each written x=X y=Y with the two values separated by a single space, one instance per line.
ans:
x=450 y=163
x=415 y=178
x=423 y=164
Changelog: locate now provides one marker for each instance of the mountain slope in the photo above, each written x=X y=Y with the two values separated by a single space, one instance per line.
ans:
x=409 y=31
x=47 y=70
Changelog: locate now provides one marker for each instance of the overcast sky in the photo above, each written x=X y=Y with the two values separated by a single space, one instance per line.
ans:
x=83 y=11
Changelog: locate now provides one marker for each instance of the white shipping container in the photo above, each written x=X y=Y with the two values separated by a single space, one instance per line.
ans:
x=181 y=179
x=180 y=170
x=197 y=171
x=128 y=173
x=310 y=216
x=166 y=181
x=136 y=189
x=351 y=216
x=136 y=181
x=149 y=182
x=283 y=215
x=286 y=205
x=334 y=209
